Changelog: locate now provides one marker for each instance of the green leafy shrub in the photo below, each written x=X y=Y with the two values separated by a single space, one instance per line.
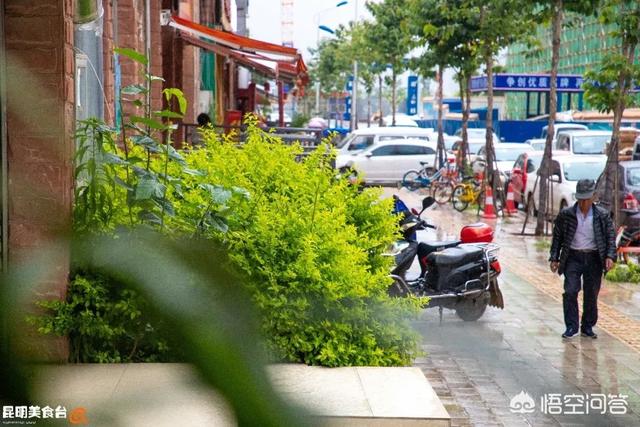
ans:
x=309 y=242
x=629 y=273
x=105 y=322
x=299 y=120
x=312 y=246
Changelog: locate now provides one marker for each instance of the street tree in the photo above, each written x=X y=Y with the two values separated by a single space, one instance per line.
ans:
x=554 y=11
x=432 y=28
x=608 y=87
x=388 y=39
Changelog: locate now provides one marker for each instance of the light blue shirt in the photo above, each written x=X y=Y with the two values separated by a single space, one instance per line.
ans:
x=584 y=238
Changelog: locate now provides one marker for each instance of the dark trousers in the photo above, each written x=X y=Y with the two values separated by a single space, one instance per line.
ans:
x=583 y=269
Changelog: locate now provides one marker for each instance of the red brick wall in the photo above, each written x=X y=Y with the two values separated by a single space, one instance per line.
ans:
x=40 y=122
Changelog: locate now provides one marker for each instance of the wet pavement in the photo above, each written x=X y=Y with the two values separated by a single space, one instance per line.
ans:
x=478 y=367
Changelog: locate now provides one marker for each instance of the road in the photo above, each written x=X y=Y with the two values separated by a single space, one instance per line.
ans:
x=478 y=367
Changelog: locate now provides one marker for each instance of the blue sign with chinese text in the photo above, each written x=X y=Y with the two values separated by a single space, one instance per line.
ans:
x=529 y=83
x=347 y=100
x=412 y=96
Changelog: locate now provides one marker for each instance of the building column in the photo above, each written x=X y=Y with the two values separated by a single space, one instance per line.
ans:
x=40 y=125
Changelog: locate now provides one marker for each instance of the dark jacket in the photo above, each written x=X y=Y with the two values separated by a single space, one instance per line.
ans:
x=564 y=229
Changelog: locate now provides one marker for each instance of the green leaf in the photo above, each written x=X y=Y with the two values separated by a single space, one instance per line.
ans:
x=218 y=194
x=113 y=159
x=132 y=54
x=169 y=114
x=122 y=184
x=134 y=89
x=149 y=187
x=179 y=95
x=153 y=124
x=194 y=172
x=146 y=142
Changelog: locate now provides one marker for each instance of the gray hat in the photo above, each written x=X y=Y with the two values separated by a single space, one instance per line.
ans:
x=585 y=189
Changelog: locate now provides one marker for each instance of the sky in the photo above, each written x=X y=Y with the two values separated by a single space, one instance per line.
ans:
x=264 y=23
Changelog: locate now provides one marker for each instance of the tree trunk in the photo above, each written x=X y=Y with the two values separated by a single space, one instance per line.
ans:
x=369 y=109
x=465 y=120
x=380 y=100
x=545 y=166
x=467 y=110
x=490 y=171
x=393 y=97
x=611 y=195
x=440 y=147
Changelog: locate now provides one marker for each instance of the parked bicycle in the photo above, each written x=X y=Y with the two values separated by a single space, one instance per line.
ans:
x=469 y=191
x=440 y=182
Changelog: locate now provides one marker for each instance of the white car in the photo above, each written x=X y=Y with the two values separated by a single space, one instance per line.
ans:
x=525 y=172
x=561 y=127
x=388 y=161
x=402 y=120
x=477 y=135
x=583 y=141
x=506 y=154
x=537 y=143
x=565 y=173
x=363 y=138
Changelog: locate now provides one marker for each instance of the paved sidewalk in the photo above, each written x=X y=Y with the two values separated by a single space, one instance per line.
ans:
x=477 y=367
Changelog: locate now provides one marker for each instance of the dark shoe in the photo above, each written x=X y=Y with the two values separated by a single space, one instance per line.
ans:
x=589 y=333
x=569 y=333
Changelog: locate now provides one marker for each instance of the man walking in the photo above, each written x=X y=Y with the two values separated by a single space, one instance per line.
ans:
x=583 y=247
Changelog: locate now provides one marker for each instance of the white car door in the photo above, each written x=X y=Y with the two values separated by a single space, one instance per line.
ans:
x=376 y=164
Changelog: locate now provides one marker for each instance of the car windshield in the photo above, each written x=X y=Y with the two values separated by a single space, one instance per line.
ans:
x=583 y=170
x=633 y=177
x=346 y=141
x=538 y=146
x=590 y=144
x=508 y=154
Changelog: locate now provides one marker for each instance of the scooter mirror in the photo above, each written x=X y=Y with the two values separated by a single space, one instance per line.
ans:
x=427 y=201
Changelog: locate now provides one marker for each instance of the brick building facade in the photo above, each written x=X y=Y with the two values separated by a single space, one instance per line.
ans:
x=37 y=130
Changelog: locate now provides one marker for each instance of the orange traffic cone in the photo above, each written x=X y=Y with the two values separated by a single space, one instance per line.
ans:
x=510 y=208
x=489 y=209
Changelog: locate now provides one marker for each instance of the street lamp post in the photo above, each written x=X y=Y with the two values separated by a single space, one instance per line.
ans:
x=354 y=99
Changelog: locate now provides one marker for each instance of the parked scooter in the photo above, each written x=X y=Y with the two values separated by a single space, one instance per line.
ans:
x=458 y=274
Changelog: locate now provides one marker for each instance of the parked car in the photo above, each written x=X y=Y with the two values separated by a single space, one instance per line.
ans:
x=565 y=173
x=473 y=148
x=561 y=127
x=537 y=143
x=524 y=173
x=363 y=138
x=506 y=154
x=388 y=161
x=477 y=135
x=583 y=141
x=402 y=120
x=629 y=185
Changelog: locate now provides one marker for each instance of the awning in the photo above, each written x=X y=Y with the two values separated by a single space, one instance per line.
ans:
x=272 y=60
x=233 y=41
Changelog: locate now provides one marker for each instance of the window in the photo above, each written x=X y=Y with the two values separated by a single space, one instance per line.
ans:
x=577 y=171
x=390 y=137
x=633 y=177
x=413 y=150
x=387 y=150
x=361 y=142
x=531 y=166
x=590 y=144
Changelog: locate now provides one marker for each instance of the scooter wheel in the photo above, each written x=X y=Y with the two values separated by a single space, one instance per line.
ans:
x=471 y=309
